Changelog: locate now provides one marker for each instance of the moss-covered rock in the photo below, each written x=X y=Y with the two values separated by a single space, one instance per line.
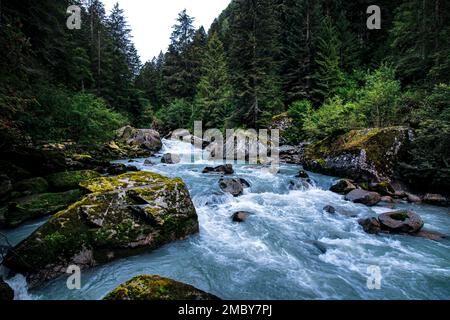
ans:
x=363 y=155
x=157 y=288
x=70 y=179
x=38 y=205
x=31 y=186
x=123 y=216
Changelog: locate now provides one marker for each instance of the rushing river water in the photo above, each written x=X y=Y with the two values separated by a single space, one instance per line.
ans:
x=288 y=249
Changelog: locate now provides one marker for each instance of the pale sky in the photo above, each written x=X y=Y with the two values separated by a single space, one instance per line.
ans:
x=152 y=20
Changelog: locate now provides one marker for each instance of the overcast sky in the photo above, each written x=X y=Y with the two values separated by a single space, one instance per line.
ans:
x=152 y=21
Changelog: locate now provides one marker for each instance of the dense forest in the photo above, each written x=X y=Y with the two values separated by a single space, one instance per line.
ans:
x=314 y=61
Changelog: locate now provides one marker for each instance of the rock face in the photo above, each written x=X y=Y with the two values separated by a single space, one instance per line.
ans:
x=234 y=186
x=157 y=288
x=364 y=197
x=292 y=154
x=122 y=216
x=223 y=169
x=6 y=293
x=170 y=158
x=401 y=221
x=343 y=186
x=362 y=155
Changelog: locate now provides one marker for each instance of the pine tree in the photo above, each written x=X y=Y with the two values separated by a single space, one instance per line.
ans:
x=213 y=99
x=328 y=75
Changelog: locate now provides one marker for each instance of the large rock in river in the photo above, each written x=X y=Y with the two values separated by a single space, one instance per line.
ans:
x=364 y=197
x=362 y=155
x=405 y=221
x=157 y=288
x=123 y=216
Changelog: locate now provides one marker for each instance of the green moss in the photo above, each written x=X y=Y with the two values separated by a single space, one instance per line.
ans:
x=31 y=186
x=81 y=157
x=157 y=288
x=399 y=216
x=70 y=179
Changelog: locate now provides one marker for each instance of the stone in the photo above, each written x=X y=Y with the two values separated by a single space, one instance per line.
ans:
x=170 y=158
x=147 y=288
x=240 y=216
x=116 y=168
x=105 y=225
x=223 y=169
x=413 y=198
x=31 y=186
x=365 y=197
x=148 y=163
x=370 y=225
x=329 y=209
x=383 y=188
x=405 y=221
x=302 y=174
x=387 y=199
x=233 y=186
x=343 y=186
x=143 y=138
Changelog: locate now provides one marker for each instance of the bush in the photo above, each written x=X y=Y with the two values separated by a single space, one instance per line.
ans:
x=297 y=112
x=175 y=116
x=333 y=118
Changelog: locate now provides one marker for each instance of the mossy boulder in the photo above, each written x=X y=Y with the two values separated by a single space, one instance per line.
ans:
x=362 y=155
x=157 y=288
x=124 y=215
x=31 y=186
x=70 y=179
x=38 y=205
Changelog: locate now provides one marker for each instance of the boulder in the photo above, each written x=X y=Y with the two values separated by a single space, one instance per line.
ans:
x=31 y=186
x=370 y=225
x=240 y=216
x=116 y=168
x=223 y=169
x=362 y=155
x=233 y=186
x=38 y=205
x=343 y=186
x=365 y=197
x=302 y=174
x=413 y=198
x=430 y=235
x=148 y=163
x=383 y=188
x=146 y=139
x=68 y=180
x=6 y=293
x=387 y=199
x=401 y=221
x=300 y=184
x=435 y=199
x=146 y=288
x=170 y=158
x=292 y=154
x=123 y=216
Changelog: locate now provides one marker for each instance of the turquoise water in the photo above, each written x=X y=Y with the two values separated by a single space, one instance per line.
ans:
x=288 y=249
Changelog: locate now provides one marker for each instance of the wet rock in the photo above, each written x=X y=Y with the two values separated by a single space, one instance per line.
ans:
x=6 y=293
x=132 y=169
x=148 y=163
x=223 y=169
x=116 y=169
x=170 y=158
x=302 y=174
x=143 y=138
x=383 y=188
x=365 y=197
x=39 y=205
x=401 y=221
x=103 y=226
x=240 y=216
x=292 y=154
x=329 y=209
x=430 y=235
x=233 y=186
x=157 y=288
x=435 y=199
x=69 y=180
x=387 y=199
x=413 y=198
x=370 y=225
x=299 y=184
x=343 y=186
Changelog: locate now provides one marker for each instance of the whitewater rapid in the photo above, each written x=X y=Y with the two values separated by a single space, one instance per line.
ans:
x=289 y=248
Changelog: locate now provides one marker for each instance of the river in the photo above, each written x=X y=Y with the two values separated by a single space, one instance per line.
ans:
x=289 y=248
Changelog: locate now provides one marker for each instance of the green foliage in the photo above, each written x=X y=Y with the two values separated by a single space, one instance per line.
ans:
x=176 y=115
x=298 y=112
x=380 y=96
x=333 y=118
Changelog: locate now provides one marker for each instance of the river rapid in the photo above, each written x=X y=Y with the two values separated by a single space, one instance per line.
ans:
x=289 y=248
